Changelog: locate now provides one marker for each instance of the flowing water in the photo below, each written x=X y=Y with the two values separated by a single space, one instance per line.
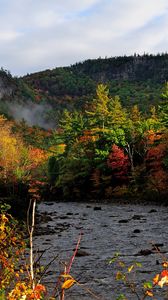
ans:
x=106 y=229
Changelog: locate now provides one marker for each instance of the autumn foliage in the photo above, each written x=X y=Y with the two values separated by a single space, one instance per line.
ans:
x=15 y=279
x=18 y=162
x=12 y=152
x=118 y=162
x=157 y=174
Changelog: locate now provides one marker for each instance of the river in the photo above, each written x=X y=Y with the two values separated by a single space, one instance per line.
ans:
x=106 y=229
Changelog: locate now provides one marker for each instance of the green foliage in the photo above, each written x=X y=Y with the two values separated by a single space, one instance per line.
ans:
x=87 y=130
x=127 y=275
x=71 y=123
x=89 y=138
x=163 y=107
x=99 y=110
x=52 y=169
x=135 y=79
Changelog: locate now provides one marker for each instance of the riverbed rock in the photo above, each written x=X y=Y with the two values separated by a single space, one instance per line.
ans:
x=152 y=211
x=97 y=208
x=123 y=221
x=100 y=243
x=136 y=217
x=137 y=231
x=144 y=252
x=81 y=253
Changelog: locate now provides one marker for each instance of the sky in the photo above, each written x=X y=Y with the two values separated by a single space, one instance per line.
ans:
x=43 y=34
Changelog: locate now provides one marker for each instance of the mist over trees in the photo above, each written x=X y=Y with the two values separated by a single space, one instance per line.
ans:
x=94 y=134
x=137 y=80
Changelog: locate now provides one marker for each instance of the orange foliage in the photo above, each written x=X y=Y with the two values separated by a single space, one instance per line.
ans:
x=153 y=136
x=37 y=156
x=14 y=279
x=161 y=279
x=155 y=156
x=24 y=291
x=12 y=247
x=16 y=160
x=88 y=136
x=157 y=175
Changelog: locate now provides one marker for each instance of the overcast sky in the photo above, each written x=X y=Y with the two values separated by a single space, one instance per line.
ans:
x=41 y=34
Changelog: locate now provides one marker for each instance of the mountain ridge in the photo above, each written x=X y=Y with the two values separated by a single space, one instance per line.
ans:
x=135 y=79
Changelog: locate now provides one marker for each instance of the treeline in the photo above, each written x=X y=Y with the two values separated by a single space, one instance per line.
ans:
x=21 y=164
x=111 y=151
x=104 y=152
x=137 y=80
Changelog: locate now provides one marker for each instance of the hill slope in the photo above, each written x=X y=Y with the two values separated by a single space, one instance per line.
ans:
x=133 y=78
x=136 y=79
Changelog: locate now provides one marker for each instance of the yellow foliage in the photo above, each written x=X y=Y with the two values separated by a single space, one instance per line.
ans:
x=149 y=294
x=130 y=268
x=16 y=160
x=57 y=149
x=12 y=246
x=68 y=283
x=12 y=151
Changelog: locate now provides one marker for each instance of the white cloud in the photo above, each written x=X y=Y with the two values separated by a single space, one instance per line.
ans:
x=9 y=35
x=45 y=34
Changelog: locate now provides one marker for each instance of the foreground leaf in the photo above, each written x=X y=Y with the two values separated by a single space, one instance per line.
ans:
x=68 y=283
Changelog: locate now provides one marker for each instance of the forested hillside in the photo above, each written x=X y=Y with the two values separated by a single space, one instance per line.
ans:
x=41 y=97
x=136 y=79
x=87 y=131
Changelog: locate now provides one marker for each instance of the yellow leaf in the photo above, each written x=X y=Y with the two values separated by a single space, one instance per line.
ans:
x=156 y=279
x=165 y=264
x=149 y=293
x=4 y=218
x=163 y=281
x=130 y=268
x=120 y=276
x=68 y=283
x=2 y=227
x=122 y=264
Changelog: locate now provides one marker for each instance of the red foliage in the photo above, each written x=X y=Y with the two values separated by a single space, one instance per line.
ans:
x=157 y=176
x=118 y=162
x=155 y=156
